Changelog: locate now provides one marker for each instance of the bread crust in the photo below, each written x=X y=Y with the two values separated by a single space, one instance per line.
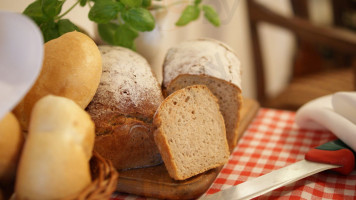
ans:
x=71 y=68
x=129 y=144
x=204 y=56
x=122 y=109
x=55 y=160
x=11 y=142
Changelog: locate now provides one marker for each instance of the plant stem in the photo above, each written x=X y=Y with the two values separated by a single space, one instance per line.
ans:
x=176 y=3
x=119 y=19
x=66 y=12
x=169 y=5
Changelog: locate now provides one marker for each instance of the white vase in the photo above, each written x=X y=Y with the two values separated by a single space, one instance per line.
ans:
x=153 y=45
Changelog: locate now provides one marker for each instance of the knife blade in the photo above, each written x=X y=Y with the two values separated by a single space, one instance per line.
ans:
x=334 y=155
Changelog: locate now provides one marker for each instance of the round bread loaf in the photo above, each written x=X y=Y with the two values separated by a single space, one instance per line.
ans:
x=123 y=107
x=11 y=142
x=211 y=63
x=55 y=160
x=71 y=68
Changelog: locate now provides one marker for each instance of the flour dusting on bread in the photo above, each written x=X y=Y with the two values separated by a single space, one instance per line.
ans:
x=122 y=109
x=135 y=75
x=202 y=57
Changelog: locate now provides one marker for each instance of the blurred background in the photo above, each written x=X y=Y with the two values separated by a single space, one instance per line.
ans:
x=277 y=45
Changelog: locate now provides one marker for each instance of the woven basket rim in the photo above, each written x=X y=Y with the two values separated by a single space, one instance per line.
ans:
x=104 y=180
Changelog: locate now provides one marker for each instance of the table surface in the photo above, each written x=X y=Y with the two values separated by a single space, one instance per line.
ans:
x=273 y=141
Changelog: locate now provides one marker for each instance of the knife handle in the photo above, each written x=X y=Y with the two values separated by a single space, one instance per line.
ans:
x=335 y=152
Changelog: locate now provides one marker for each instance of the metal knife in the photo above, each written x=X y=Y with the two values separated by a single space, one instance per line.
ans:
x=334 y=155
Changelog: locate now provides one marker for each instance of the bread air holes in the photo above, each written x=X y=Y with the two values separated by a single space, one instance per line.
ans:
x=182 y=115
x=193 y=113
x=174 y=103
x=125 y=92
x=187 y=99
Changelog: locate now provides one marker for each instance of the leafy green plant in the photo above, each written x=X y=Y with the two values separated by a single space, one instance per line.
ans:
x=192 y=12
x=119 y=21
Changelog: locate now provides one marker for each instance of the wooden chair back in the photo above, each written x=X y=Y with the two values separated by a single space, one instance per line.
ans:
x=338 y=39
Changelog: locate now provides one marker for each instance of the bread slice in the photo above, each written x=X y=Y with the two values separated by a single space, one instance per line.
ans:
x=190 y=132
x=211 y=63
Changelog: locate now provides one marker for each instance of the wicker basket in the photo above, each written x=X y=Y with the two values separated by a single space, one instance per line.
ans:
x=104 y=182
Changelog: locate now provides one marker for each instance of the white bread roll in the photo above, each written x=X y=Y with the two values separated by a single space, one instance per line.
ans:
x=71 y=68
x=55 y=159
x=11 y=142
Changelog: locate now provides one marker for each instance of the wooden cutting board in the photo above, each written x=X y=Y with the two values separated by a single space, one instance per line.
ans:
x=155 y=181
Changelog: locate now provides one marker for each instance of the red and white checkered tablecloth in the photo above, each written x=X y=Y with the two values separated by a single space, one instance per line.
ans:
x=273 y=141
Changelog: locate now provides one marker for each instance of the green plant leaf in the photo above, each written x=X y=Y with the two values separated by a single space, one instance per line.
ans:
x=139 y=18
x=83 y=2
x=49 y=30
x=105 y=10
x=107 y=32
x=65 y=25
x=132 y=3
x=52 y=8
x=146 y=3
x=190 y=13
x=211 y=15
x=114 y=34
x=125 y=36
x=34 y=11
x=197 y=2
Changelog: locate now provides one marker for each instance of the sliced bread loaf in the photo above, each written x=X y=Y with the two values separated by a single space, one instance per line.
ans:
x=190 y=132
x=211 y=63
